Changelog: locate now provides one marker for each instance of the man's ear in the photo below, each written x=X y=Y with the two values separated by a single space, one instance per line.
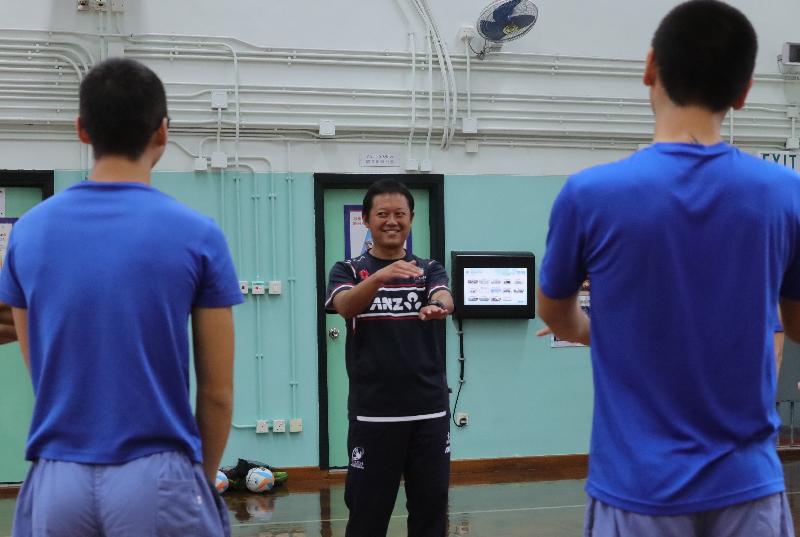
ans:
x=83 y=136
x=160 y=136
x=738 y=104
x=650 y=75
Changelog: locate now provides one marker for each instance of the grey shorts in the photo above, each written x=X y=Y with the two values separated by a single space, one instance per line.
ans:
x=163 y=495
x=765 y=517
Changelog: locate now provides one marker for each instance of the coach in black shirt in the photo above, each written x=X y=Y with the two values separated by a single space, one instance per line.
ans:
x=398 y=403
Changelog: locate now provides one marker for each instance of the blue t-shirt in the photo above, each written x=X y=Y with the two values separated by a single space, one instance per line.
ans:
x=686 y=248
x=109 y=274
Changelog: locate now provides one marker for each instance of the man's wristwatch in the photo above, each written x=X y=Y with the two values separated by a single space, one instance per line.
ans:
x=437 y=303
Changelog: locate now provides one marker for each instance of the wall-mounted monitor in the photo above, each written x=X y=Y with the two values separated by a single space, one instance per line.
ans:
x=494 y=285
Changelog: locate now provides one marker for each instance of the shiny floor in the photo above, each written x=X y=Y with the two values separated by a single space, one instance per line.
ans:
x=540 y=509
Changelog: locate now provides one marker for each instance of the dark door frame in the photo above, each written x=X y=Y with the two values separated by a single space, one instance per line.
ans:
x=434 y=184
x=42 y=179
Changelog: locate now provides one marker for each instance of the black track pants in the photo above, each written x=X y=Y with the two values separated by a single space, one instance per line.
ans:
x=382 y=453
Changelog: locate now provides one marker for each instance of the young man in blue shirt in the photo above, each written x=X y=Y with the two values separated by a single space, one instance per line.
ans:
x=103 y=279
x=688 y=244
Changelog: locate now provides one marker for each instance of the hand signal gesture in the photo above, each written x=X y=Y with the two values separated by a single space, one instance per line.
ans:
x=399 y=270
x=432 y=313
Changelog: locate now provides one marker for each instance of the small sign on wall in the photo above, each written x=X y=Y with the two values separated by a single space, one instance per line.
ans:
x=379 y=159
x=5 y=231
x=585 y=302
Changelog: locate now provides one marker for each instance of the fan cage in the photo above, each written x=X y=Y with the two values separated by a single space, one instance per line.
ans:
x=525 y=7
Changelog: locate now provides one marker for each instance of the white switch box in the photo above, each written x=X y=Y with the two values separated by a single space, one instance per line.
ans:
x=118 y=6
x=793 y=143
x=275 y=287
x=258 y=288
x=469 y=125
x=219 y=159
x=426 y=165
x=244 y=287
x=219 y=99
x=201 y=164
x=327 y=127
x=279 y=426
x=262 y=426
x=471 y=146
x=296 y=425
x=412 y=164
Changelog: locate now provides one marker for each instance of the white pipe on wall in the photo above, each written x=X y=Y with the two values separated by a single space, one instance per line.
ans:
x=636 y=65
x=412 y=45
x=292 y=280
x=452 y=77
x=430 y=97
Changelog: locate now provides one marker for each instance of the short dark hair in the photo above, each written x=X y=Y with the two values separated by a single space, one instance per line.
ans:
x=705 y=52
x=386 y=186
x=122 y=103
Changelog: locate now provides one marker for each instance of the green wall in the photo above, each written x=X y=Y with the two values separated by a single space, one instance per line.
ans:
x=523 y=398
x=16 y=394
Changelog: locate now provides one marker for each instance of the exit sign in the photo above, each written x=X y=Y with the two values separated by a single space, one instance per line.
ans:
x=787 y=158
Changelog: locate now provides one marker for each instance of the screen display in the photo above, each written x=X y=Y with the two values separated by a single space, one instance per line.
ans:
x=495 y=286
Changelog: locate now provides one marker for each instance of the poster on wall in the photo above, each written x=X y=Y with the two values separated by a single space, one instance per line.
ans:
x=5 y=231
x=585 y=302
x=357 y=238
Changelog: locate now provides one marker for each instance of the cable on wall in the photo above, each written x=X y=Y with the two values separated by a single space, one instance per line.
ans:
x=461 y=380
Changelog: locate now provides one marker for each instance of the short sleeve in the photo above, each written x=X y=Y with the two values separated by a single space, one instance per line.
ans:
x=436 y=279
x=790 y=287
x=11 y=291
x=219 y=286
x=341 y=278
x=563 y=269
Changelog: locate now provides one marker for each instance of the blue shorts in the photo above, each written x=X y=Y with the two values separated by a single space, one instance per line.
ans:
x=765 y=517
x=163 y=495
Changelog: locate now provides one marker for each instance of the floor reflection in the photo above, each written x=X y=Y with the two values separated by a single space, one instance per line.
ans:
x=543 y=509
x=553 y=508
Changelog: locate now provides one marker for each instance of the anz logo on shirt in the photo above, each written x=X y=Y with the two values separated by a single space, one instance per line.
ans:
x=396 y=302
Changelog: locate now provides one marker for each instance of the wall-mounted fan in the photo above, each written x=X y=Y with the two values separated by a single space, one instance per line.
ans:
x=505 y=20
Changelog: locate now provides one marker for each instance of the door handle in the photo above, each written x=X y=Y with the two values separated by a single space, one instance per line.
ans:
x=333 y=333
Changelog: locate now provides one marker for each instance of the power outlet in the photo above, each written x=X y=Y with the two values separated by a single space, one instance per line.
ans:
x=467 y=33
x=278 y=426
x=262 y=426
x=244 y=287
x=275 y=287
x=296 y=425
x=258 y=288
x=83 y=5
x=462 y=419
x=101 y=5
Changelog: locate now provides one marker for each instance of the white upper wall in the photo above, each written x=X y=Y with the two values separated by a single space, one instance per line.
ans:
x=603 y=28
x=540 y=110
